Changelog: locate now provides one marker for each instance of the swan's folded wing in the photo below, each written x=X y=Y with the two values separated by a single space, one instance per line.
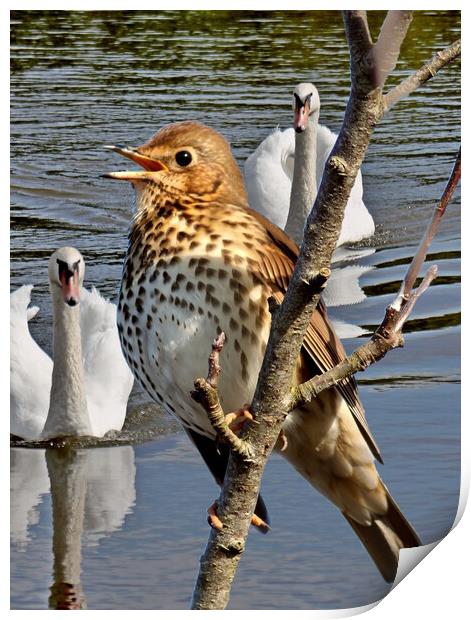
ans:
x=30 y=371
x=108 y=379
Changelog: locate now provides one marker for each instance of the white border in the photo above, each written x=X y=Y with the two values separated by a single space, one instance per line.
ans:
x=440 y=587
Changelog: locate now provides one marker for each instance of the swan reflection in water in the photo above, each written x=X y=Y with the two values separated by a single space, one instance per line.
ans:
x=92 y=491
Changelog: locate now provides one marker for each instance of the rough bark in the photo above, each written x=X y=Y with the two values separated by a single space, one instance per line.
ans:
x=273 y=396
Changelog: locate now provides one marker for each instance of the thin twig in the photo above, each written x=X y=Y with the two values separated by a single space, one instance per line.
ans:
x=427 y=71
x=410 y=303
x=206 y=394
x=214 y=368
x=429 y=234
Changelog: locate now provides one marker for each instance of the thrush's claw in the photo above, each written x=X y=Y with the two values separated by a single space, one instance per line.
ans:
x=235 y=421
x=213 y=520
x=260 y=524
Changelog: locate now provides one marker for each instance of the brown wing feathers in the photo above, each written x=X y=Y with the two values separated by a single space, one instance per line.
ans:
x=321 y=345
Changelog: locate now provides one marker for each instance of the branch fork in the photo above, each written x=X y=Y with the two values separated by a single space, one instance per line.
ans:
x=206 y=394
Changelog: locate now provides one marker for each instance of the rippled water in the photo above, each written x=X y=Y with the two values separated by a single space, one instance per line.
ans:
x=82 y=80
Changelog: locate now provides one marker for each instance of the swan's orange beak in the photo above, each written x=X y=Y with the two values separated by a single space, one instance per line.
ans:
x=70 y=285
x=149 y=164
x=301 y=114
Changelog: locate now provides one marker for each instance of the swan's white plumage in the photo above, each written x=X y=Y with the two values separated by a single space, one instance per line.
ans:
x=108 y=380
x=30 y=371
x=269 y=174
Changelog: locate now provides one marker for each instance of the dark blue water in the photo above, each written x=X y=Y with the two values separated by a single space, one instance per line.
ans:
x=82 y=80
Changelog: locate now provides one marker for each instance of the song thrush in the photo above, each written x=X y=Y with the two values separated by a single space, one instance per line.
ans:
x=200 y=261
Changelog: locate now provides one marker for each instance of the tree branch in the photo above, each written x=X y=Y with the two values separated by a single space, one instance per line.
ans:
x=358 y=34
x=365 y=355
x=387 y=337
x=360 y=44
x=429 y=234
x=272 y=398
x=206 y=394
x=270 y=403
x=406 y=309
x=385 y=51
x=422 y=75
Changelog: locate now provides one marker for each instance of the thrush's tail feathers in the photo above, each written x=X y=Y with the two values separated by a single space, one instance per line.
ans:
x=324 y=443
x=385 y=537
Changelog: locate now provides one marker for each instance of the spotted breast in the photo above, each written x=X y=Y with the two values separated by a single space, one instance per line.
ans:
x=184 y=281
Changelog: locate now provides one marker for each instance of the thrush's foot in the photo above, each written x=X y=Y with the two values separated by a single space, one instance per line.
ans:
x=260 y=524
x=235 y=421
x=215 y=522
x=282 y=441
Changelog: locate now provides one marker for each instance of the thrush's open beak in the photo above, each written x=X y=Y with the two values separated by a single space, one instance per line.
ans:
x=148 y=163
x=143 y=160
x=301 y=115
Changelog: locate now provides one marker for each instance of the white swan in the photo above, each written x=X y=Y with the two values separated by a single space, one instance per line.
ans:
x=269 y=173
x=86 y=389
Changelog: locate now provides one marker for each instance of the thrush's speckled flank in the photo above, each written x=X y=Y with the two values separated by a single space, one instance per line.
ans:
x=182 y=280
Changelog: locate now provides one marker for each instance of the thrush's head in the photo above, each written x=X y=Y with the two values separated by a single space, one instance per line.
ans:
x=186 y=158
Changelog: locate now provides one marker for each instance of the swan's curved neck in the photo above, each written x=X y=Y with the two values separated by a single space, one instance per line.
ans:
x=68 y=413
x=304 y=186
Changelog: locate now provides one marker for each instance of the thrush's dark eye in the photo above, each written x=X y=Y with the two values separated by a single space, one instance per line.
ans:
x=183 y=158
